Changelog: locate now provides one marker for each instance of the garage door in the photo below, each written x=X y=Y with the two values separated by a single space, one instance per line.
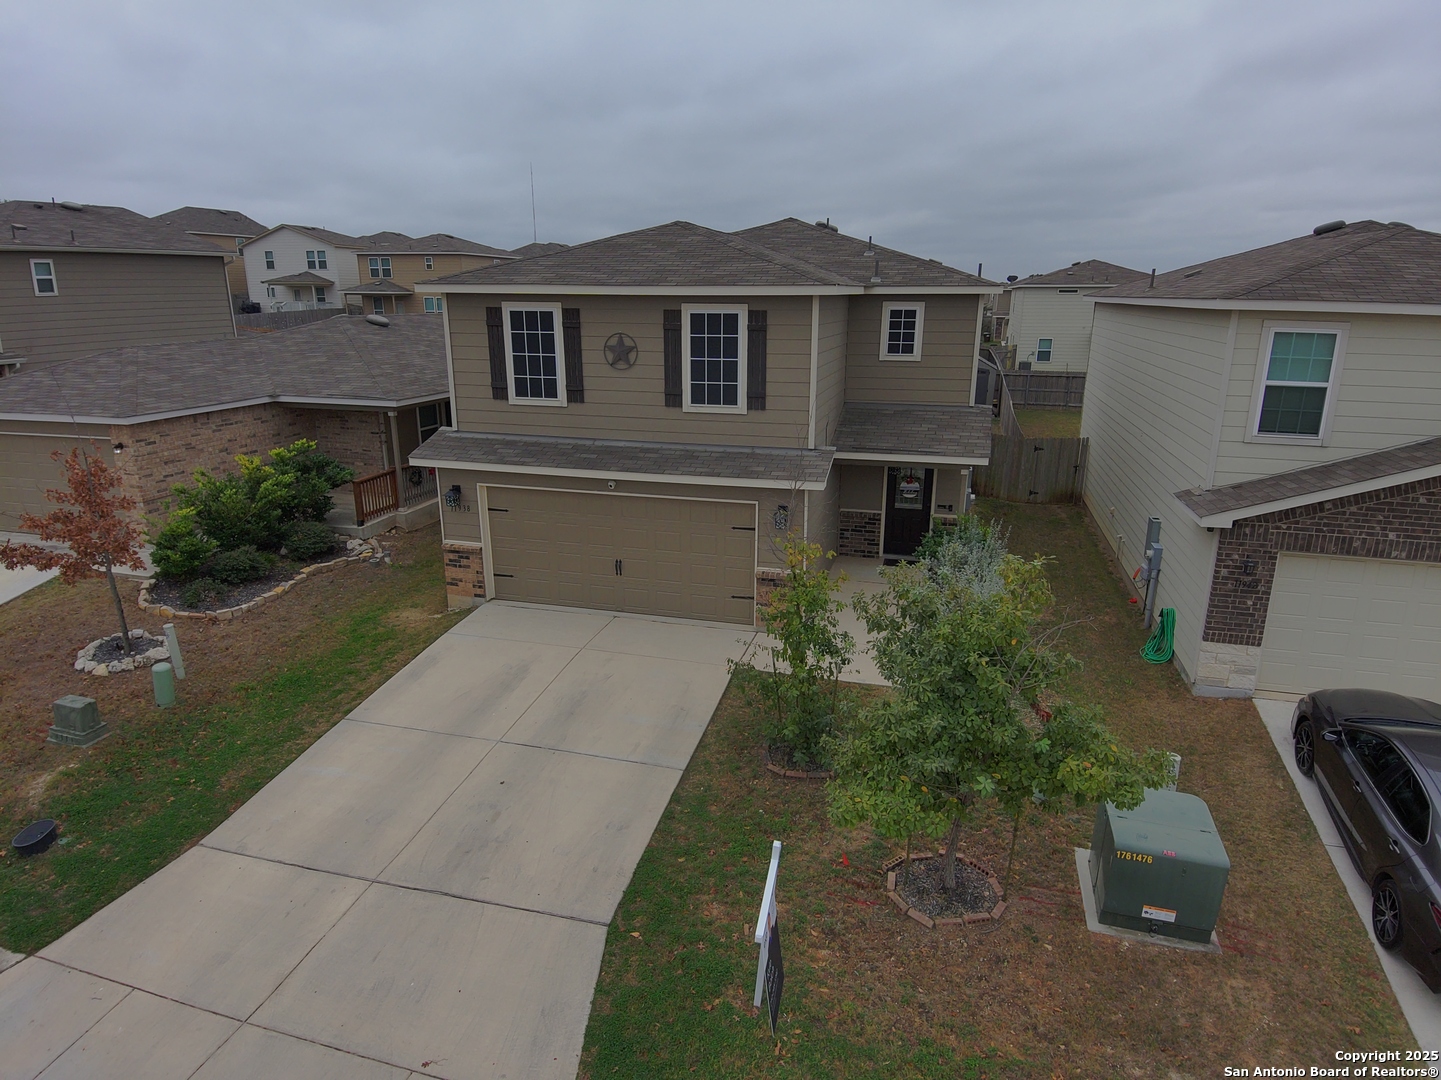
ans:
x=1353 y=622
x=26 y=471
x=689 y=558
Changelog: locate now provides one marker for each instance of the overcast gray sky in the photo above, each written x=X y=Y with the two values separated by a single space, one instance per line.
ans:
x=1024 y=135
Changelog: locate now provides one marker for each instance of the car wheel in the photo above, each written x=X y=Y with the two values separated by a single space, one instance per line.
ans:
x=1305 y=746
x=1386 y=913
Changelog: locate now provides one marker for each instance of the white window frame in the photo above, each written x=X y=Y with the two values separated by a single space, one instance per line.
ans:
x=743 y=311
x=920 y=309
x=379 y=267
x=270 y=291
x=296 y=295
x=270 y=260
x=320 y=294
x=434 y=305
x=429 y=263
x=239 y=244
x=1050 y=352
x=377 y=305
x=316 y=260
x=1269 y=330
x=561 y=395
x=36 y=278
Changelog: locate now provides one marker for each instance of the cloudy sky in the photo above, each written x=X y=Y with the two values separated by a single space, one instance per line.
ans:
x=1022 y=135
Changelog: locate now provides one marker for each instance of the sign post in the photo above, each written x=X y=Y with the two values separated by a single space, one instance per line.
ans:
x=770 y=972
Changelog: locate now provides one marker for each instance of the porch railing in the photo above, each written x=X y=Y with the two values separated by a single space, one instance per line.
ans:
x=416 y=485
x=390 y=490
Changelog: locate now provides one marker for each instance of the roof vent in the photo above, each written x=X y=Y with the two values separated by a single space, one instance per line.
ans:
x=827 y=225
x=1191 y=273
x=870 y=247
x=1076 y=263
x=1398 y=224
x=1330 y=226
x=1013 y=277
x=68 y=205
x=876 y=276
x=377 y=320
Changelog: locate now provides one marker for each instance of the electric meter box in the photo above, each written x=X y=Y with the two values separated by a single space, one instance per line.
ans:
x=1160 y=868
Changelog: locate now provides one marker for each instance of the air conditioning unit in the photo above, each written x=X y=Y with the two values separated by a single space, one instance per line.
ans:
x=1024 y=365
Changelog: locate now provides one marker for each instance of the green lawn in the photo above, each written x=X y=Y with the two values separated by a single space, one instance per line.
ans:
x=1050 y=423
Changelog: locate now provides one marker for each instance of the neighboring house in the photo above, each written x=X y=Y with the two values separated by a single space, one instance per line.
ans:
x=539 y=248
x=75 y=279
x=1280 y=411
x=227 y=229
x=640 y=421
x=1048 y=321
x=367 y=394
x=390 y=264
x=299 y=267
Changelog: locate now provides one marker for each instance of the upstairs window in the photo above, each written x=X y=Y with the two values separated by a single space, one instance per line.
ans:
x=901 y=326
x=714 y=361
x=1043 y=350
x=380 y=266
x=434 y=305
x=1299 y=371
x=270 y=260
x=534 y=344
x=42 y=275
x=315 y=260
x=239 y=243
x=432 y=418
x=429 y=263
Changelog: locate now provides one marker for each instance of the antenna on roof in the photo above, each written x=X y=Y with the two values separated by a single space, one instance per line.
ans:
x=534 y=232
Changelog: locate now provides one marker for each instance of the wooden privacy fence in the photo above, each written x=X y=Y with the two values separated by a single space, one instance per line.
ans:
x=1033 y=390
x=266 y=321
x=1033 y=470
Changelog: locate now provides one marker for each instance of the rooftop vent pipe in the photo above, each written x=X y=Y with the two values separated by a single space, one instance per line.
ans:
x=1330 y=226
x=68 y=205
x=377 y=320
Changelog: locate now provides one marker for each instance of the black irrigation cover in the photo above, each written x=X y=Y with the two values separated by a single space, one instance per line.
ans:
x=35 y=837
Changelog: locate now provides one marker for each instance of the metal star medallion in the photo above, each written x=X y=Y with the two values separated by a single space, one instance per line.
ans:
x=620 y=351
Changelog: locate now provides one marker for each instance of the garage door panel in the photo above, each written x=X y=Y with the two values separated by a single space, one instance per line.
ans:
x=27 y=471
x=1353 y=622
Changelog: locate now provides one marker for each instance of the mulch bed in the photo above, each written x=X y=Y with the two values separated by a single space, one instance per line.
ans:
x=113 y=647
x=170 y=593
x=923 y=888
x=780 y=761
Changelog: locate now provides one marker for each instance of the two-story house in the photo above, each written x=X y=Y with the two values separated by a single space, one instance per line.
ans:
x=640 y=421
x=227 y=229
x=391 y=263
x=1279 y=411
x=75 y=279
x=1048 y=316
x=298 y=267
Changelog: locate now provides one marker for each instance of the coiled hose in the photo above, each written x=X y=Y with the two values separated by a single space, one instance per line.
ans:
x=1158 y=648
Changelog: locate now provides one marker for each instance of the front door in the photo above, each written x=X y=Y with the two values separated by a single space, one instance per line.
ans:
x=908 y=510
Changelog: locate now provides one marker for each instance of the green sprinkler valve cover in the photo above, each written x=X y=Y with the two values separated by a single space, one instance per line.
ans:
x=1160 y=868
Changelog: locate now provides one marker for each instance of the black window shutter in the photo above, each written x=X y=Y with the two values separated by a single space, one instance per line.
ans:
x=756 y=362
x=673 y=382
x=495 y=331
x=574 y=371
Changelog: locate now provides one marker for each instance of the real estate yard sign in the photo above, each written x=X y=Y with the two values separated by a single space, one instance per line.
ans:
x=770 y=972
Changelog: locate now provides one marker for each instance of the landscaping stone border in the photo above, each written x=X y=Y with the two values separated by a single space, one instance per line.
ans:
x=889 y=869
x=794 y=774
x=358 y=551
x=85 y=658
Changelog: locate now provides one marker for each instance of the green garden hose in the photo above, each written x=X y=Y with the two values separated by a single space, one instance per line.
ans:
x=1158 y=646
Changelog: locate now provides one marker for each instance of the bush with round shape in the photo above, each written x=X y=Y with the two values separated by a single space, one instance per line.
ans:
x=180 y=551
x=239 y=566
x=202 y=593
x=309 y=540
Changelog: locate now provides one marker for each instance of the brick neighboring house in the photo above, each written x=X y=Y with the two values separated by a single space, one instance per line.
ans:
x=1280 y=411
x=367 y=394
x=390 y=264
x=642 y=420
x=75 y=279
x=226 y=229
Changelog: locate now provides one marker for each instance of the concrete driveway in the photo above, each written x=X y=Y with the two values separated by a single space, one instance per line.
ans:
x=424 y=892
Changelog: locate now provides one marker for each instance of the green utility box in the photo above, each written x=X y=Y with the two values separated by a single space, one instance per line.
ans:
x=1160 y=868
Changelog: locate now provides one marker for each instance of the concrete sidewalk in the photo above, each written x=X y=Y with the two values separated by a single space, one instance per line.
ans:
x=424 y=892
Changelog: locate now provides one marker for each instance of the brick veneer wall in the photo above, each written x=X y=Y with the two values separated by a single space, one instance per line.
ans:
x=767 y=581
x=860 y=534
x=355 y=438
x=1402 y=523
x=464 y=575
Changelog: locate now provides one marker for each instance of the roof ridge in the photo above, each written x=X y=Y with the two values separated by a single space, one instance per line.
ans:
x=1385 y=232
x=821 y=275
x=918 y=260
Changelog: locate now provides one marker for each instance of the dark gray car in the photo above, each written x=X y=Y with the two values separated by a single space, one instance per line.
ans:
x=1376 y=758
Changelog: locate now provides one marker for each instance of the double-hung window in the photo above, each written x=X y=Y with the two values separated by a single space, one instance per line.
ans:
x=42 y=276
x=377 y=305
x=537 y=368
x=320 y=294
x=239 y=244
x=1297 y=377
x=315 y=260
x=434 y=305
x=1043 y=350
x=431 y=418
x=901 y=326
x=715 y=359
x=380 y=266
x=270 y=260
x=429 y=263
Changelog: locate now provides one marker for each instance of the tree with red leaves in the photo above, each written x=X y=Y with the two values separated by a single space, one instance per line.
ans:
x=90 y=524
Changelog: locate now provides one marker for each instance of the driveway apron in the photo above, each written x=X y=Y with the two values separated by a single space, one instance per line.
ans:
x=423 y=892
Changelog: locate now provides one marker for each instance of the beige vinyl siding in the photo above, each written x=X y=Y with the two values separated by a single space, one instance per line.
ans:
x=1389 y=392
x=234 y=266
x=862 y=487
x=1152 y=395
x=830 y=367
x=942 y=376
x=408 y=269
x=1065 y=318
x=27 y=470
x=630 y=404
x=462 y=526
x=950 y=490
x=104 y=301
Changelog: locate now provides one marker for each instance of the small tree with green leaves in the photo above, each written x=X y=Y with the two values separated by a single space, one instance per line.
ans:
x=810 y=652
x=961 y=638
x=90 y=521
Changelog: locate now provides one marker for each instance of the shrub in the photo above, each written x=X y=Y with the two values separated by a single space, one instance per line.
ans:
x=309 y=540
x=239 y=566
x=202 y=593
x=179 y=550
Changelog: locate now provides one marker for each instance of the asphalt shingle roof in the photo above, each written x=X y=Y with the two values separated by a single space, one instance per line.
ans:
x=1312 y=480
x=950 y=431
x=305 y=277
x=1364 y=262
x=1090 y=272
x=525 y=251
x=381 y=287
x=325 y=236
x=51 y=226
x=203 y=219
x=847 y=256
x=782 y=466
x=344 y=358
